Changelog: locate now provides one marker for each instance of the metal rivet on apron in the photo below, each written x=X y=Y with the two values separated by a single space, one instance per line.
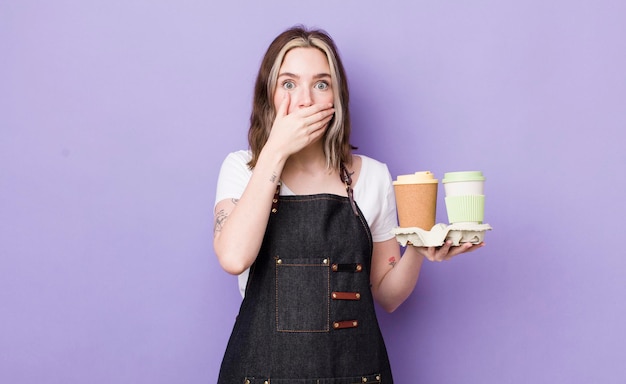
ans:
x=377 y=377
x=335 y=325
x=358 y=295
x=325 y=261
x=364 y=379
x=334 y=295
x=335 y=267
x=247 y=381
x=274 y=210
x=355 y=323
x=359 y=267
x=279 y=261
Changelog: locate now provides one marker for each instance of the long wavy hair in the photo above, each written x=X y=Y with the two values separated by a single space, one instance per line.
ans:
x=337 y=147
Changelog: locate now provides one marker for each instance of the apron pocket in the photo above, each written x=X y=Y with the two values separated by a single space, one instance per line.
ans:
x=302 y=295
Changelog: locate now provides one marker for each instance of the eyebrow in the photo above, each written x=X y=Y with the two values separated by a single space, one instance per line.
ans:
x=289 y=74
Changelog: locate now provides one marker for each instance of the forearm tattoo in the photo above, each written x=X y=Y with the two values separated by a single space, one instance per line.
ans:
x=273 y=178
x=220 y=218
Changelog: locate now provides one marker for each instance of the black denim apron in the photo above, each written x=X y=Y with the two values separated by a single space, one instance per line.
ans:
x=308 y=314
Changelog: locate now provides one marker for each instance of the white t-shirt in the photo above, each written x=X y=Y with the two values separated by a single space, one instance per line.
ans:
x=373 y=193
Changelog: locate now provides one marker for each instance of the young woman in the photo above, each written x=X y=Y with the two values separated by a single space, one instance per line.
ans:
x=307 y=226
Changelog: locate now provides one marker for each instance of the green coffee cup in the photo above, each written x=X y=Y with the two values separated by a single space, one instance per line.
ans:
x=465 y=199
x=463 y=209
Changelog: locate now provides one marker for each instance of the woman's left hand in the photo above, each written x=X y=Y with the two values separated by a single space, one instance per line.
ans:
x=447 y=251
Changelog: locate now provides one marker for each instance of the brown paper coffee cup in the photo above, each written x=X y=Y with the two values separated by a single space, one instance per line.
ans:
x=416 y=200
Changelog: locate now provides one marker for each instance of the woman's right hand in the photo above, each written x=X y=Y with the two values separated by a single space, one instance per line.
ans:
x=294 y=131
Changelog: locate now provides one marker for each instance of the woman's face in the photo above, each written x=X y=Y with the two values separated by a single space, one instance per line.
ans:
x=305 y=76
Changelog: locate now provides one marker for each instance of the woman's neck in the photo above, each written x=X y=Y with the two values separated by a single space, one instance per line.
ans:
x=306 y=173
x=308 y=160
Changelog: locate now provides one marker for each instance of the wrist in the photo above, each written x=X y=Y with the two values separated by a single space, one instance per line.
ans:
x=418 y=252
x=271 y=163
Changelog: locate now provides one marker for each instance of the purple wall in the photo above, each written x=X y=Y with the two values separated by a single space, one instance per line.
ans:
x=115 y=116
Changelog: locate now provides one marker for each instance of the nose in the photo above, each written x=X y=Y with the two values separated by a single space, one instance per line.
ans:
x=304 y=97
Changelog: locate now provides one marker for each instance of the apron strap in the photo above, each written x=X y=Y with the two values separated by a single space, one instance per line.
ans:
x=346 y=177
x=275 y=198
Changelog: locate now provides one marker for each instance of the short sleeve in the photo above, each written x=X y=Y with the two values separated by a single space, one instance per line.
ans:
x=388 y=219
x=375 y=196
x=233 y=177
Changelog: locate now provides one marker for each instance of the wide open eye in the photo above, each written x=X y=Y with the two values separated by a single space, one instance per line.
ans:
x=288 y=85
x=322 y=85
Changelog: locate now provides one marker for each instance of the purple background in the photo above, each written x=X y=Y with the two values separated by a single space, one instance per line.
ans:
x=115 y=116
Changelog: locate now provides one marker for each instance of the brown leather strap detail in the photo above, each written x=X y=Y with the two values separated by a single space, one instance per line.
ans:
x=346 y=296
x=345 y=324
x=353 y=267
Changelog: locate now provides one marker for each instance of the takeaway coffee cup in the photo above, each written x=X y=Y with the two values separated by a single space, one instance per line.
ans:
x=465 y=197
x=416 y=199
